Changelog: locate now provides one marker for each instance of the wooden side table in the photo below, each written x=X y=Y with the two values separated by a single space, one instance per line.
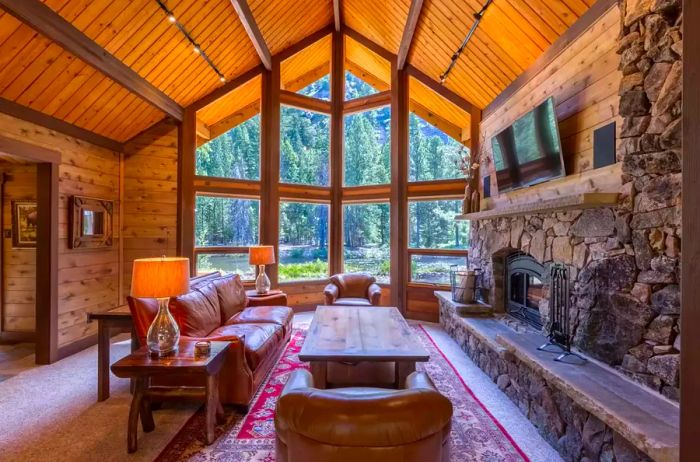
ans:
x=254 y=295
x=141 y=366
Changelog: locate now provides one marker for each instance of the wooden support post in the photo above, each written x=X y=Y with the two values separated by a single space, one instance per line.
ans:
x=399 y=187
x=690 y=257
x=270 y=163
x=47 y=264
x=475 y=145
x=187 y=146
x=337 y=122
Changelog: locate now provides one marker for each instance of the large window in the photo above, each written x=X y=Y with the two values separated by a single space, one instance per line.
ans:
x=304 y=147
x=436 y=240
x=366 y=239
x=224 y=228
x=357 y=88
x=235 y=154
x=303 y=241
x=433 y=155
x=320 y=89
x=368 y=148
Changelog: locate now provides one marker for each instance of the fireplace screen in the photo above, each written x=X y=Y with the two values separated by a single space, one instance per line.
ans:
x=524 y=288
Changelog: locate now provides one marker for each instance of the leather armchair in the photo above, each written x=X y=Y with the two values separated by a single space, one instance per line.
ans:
x=353 y=289
x=362 y=424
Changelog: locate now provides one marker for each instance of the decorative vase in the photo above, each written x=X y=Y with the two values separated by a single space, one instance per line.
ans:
x=475 y=202
x=262 y=282
x=164 y=334
x=466 y=203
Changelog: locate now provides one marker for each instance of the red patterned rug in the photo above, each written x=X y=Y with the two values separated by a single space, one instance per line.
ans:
x=476 y=434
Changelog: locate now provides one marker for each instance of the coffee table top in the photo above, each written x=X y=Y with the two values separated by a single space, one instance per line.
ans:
x=360 y=333
x=140 y=362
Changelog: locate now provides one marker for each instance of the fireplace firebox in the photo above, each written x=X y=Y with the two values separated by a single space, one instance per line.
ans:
x=524 y=288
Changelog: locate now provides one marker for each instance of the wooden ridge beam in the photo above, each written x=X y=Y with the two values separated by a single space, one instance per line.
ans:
x=253 y=31
x=51 y=25
x=231 y=85
x=299 y=101
x=582 y=24
x=441 y=90
x=366 y=103
x=30 y=115
x=337 y=15
x=408 y=32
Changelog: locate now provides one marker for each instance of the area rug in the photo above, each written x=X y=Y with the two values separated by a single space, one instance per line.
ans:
x=476 y=435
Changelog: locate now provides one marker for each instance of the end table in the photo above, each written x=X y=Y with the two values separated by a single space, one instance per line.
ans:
x=254 y=295
x=141 y=366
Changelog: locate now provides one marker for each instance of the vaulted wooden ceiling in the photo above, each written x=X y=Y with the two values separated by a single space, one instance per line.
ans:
x=48 y=76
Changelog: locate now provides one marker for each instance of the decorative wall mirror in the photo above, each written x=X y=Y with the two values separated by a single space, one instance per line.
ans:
x=90 y=223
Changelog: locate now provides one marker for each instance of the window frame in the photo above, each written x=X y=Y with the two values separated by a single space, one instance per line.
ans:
x=379 y=201
x=297 y=200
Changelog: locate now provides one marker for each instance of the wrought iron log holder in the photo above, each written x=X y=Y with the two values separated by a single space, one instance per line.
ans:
x=559 y=325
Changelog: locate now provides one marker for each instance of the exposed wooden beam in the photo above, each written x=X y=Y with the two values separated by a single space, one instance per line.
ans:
x=475 y=144
x=51 y=25
x=28 y=152
x=30 y=115
x=337 y=12
x=436 y=121
x=570 y=35
x=233 y=120
x=690 y=257
x=202 y=130
x=441 y=90
x=367 y=102
x=186 y=156
x=366 y=76
x=304 y=102
x=373 y=46
x=408 y=31
x=335 y=235
x=227 y=88
x=251 y=27
x=307 y=78
x=305 y=42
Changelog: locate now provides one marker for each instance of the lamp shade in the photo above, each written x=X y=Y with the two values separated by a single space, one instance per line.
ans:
x=261 y=255
x=160 y=277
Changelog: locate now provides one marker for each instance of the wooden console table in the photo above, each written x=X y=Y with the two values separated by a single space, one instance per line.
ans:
x=118 y=318
x=142 y=367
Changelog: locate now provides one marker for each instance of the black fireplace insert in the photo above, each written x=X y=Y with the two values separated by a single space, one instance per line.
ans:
x=524 y=288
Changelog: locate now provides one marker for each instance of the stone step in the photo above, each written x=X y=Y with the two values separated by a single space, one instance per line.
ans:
x=465 y=309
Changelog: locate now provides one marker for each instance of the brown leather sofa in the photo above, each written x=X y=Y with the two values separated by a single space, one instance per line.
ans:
x=353 y=289
x=362 y=424
x=216 y=308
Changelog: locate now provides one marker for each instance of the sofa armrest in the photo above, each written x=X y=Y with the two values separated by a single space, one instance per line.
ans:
x=330 y=293
x=374 y=294
x=419 y=381
x=301 y=378
x=268 y=300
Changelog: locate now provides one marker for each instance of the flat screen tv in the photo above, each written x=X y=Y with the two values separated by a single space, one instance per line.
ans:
x=529 y=151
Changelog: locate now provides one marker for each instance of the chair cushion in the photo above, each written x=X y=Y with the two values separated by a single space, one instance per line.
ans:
x=232 y=297
x=197 y=312
x=260 y=339
x=353 y=285
x=352 y=301
x=281 y=315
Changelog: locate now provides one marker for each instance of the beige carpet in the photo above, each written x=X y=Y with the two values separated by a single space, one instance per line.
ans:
x=50 y=413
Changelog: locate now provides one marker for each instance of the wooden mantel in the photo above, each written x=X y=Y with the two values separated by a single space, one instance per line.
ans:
x=559 y=204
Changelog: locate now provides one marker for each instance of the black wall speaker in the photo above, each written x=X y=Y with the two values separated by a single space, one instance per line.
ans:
x=604 y=146
x=487 y=186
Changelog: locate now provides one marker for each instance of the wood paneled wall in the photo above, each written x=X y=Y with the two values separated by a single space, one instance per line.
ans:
x=88 y=279
x=150 y=196
x=18 y=265
x=584 y=81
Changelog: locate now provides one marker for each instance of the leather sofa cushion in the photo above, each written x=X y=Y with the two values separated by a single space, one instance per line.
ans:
x=352 y=301
x=281 y=315
x=353 y=285
x=260 y=339
x=232 y=297
x=197 y=312
x=143 y=311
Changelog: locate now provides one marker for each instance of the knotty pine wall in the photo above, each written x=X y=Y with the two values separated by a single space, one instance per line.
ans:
x=18 y=265
x=88 y=279
x=150 y=196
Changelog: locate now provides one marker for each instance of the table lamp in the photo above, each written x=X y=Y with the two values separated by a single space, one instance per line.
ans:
x=161 y=278
x=262 y=255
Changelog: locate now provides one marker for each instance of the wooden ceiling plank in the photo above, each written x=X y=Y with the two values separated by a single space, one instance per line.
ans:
x=529 y=14
x=408 y=32
x=251 y=28
x=372 y=46
x=8 y=26
x=337 y=11
x=42 y=18
x=36 y=117
x=226 y=88
x=22 y=60
x=304 y=43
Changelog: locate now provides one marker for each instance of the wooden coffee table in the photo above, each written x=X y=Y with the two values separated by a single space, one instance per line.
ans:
x=142 y=367
x=356 y=334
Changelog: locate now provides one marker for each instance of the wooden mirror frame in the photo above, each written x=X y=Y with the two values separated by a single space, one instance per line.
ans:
x=77 y=206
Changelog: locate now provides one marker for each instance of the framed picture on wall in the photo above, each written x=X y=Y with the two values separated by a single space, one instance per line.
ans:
x=24 y=224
